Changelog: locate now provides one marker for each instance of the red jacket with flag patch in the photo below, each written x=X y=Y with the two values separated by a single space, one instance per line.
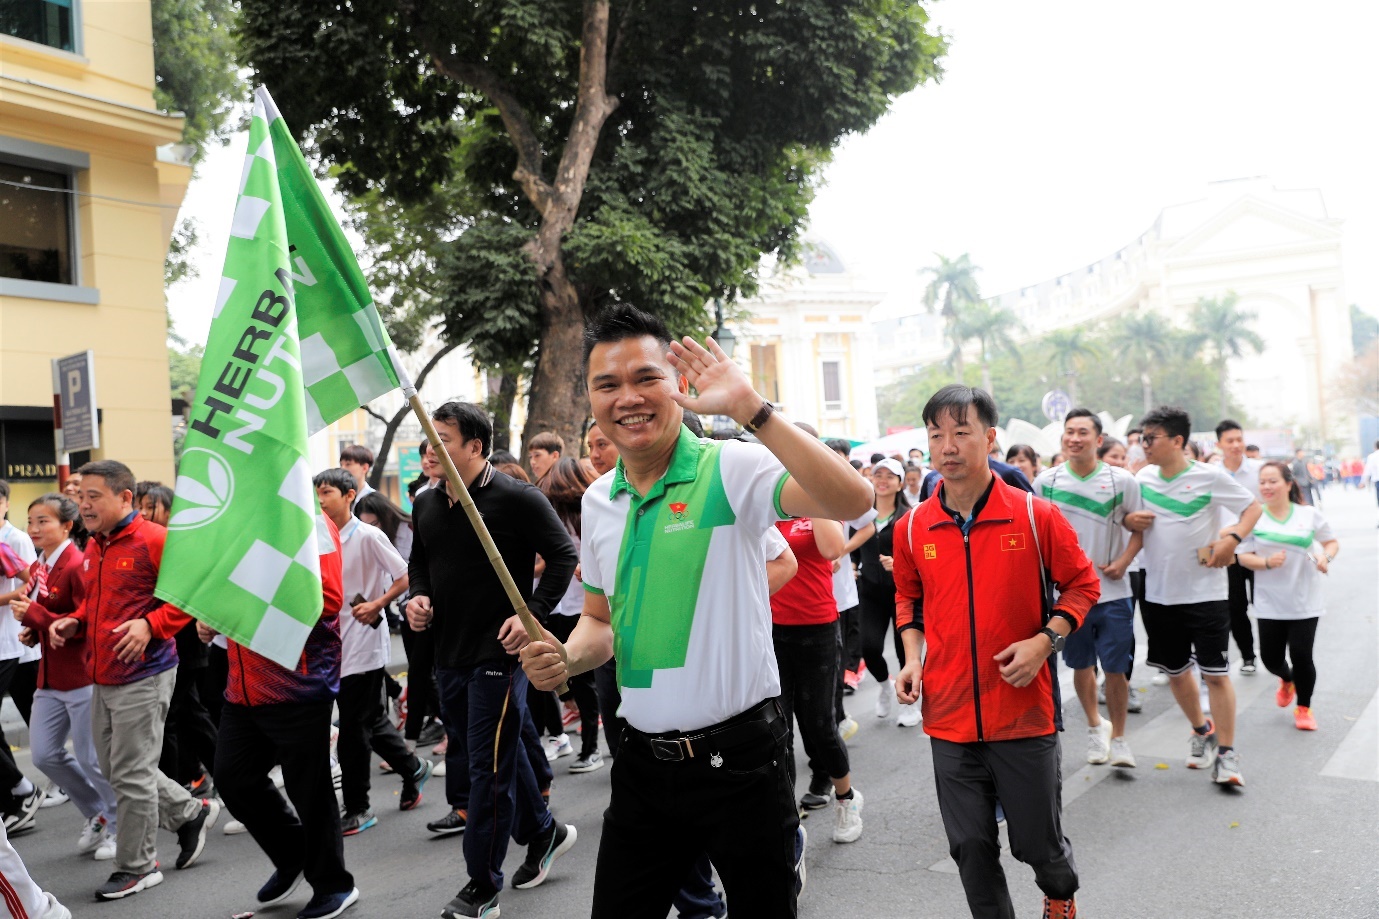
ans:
x=256 y=680
x=973 y=596
x=119 y=574
x=68 y=667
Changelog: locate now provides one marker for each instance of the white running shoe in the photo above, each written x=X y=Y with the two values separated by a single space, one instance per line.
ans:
x=54 y=909
x=1120 y=753
x=559 y=746
x=439 y=768
x=1202 y=748
x=1226 y=770
x=276 y=774
x=909 y=715
x=847 y=728
x=885 y=699
x=106 y=850
x=847 y=818
x=53 y=796
x=1160 y=679
x=1099 y=743
x=93 y=833
x=234 y=828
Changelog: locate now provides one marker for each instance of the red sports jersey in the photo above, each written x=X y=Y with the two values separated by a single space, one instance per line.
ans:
x=807 y=598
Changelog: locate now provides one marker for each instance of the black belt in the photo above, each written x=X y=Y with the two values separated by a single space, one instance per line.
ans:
x=674 y=746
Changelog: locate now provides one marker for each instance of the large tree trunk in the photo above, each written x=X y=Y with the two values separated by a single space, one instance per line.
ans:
x=501 y=398
x=390 y=425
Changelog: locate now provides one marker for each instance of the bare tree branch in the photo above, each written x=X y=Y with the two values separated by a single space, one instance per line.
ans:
x=615 y=54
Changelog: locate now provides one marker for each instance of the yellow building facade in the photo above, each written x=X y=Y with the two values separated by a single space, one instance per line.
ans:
x=90 y=184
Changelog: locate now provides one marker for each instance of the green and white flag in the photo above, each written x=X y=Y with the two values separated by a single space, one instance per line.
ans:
x=295 y=343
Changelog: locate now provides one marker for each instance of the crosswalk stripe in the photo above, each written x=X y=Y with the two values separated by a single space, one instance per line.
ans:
x=1358 y=755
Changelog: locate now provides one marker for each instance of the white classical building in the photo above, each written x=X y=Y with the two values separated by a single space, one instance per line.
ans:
x=1277 y=249
x=809 y=347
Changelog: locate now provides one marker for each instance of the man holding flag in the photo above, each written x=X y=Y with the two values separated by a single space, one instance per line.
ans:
x=295 y=343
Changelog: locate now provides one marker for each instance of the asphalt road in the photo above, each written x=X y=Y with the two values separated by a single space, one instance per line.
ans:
x=1299 y=841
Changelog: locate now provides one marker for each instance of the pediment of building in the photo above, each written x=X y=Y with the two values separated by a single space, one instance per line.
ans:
x=1249 y=223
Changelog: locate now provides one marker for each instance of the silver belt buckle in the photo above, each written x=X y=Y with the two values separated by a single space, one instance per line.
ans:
x=669 y=750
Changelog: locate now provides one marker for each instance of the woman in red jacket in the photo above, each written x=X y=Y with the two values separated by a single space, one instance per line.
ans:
x=62 y=702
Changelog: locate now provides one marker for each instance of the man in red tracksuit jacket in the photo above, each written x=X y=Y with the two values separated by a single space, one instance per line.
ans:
x=968 y=582
x=133 y=665
x=275 y=715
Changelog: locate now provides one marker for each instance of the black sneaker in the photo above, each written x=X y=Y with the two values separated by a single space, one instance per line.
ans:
x=542 y=851
x=431 y=733
x=448 y=825
x=476 y=901
x=23 y=812
x=412 y=786
x=353 y=824
x=329 y=905
x=191 y=836
x=820 y=794
x=126 y=883
x=279 y=887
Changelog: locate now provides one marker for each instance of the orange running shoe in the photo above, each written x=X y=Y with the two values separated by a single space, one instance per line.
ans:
x=1302 y=717
x=1286 y=692
x=1060 y=909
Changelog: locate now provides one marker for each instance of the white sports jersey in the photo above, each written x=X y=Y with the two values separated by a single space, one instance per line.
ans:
x=685 y=577
x=1186 y=509
x=844 y=581
x=1096 y=507
x=1293 y=590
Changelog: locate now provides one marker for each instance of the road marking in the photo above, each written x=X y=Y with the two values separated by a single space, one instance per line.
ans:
x=1358 y=755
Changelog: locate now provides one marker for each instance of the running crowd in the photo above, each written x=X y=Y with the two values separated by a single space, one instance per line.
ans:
x=702 y=600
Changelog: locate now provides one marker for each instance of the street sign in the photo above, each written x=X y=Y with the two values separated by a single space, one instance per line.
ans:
x=1056 y=404
x=74 y=392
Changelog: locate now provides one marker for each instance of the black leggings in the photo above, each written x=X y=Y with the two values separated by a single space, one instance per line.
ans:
x=807 y=656
x=878 y=615
x=1282 y=640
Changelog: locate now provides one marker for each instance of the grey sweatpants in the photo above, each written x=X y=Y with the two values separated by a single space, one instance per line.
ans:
x=1026 y=776
x=127 y=722
x=57 y=715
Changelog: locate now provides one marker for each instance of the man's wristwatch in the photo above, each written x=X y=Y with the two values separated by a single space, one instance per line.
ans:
x=1057 y=639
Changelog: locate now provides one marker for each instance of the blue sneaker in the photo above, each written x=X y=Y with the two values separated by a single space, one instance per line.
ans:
x=412 y=786
x=278 y=888
x=800 y=841
x=357 y=822
x=329 y=905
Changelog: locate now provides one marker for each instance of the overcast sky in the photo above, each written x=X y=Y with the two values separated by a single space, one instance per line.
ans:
x=1058 y=133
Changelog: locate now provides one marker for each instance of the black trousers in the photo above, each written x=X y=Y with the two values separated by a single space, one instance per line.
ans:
x=1241 y=580
x=582 y=688
x=423 y=699
x=878 y=617
x=1285 y=647
x=214 y=676
x=807 y=656
x=189 y=734
x=850 y=622
x=544 y=707
x=606 y=682
x=23 y=687
x=10 y=775
x=364 y=726
x=296 y=735
x=736 y=804
x=1026 y=776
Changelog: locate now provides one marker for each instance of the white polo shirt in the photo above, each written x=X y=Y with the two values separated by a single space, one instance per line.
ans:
x=1247 y=475
x=1189 y=511
x=371 y=565
x=18 y=540
x=1096 y=507
x=684 y=572
x=1293 y=590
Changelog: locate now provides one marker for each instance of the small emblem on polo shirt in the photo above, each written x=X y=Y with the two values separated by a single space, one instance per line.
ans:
x=124 y=564
x=679 y=512
x=1012 y=542
x=678 y=509
x=930 y=551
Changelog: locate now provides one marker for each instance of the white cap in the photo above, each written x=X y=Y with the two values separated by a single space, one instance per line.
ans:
x=892 y=466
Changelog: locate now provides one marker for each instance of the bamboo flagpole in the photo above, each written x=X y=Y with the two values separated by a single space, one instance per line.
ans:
x=476 y=520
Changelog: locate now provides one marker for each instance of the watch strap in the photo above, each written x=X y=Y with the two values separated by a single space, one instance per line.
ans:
x=760 y=418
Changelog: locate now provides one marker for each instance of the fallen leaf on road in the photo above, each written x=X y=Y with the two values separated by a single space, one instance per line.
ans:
x=1161 y=766
x=1234 y=824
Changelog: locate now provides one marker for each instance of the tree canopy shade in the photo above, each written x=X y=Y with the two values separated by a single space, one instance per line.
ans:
x=633 y=150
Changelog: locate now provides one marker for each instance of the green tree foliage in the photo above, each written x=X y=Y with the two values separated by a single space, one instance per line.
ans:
x=952 y=286
x=1138 y=342
x=184 y=368
x=1071 y=350
x=992 y=327
x=625 y=151
x=194 y=67
x=1219 y=327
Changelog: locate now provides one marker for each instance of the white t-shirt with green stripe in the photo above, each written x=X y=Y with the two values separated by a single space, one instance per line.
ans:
x=685 y=577
x=1096 y=507
x=1293 y=590
x=1189 y=510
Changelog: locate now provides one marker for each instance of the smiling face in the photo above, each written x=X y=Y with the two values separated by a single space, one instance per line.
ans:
x=885 y=482
x=1115 y=456
x=958 y=449
x=630 y=382
x=1080 y=439
x=1159 y=447
x=46 y=527
x=1271 y=485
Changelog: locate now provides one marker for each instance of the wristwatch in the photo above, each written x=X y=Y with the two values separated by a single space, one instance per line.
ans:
x=1057 y=639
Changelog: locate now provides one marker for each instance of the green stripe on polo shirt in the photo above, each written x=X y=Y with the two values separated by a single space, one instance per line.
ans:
x=1301 y=540
x=591 y=588
x=661 y=567
x=1173 y=505
x=1091 y=505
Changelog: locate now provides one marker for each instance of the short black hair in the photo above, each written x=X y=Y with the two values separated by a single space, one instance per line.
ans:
x=471 y=419
x=693 y=422
x=357 y=453
x=117 y=476
x=808 y=429
x=1081 y=412
x=158 y=493
x=619 y=322
x=955 y=399
x=336 y=478
x=5 y=486
x=1228 y=425
x=1171 y=419
x=839 y=446
x=855 y=464
x=876 y=458
x=1255 y=447
x=1134 y=431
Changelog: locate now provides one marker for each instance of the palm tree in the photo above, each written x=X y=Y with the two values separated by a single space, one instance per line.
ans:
x=993 y=329
x=1139 y=340
x=1218 y=325
x=1071 y=349
x=952 y=286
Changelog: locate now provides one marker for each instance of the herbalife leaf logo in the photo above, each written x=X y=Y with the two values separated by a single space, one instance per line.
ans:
x=205 y=488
